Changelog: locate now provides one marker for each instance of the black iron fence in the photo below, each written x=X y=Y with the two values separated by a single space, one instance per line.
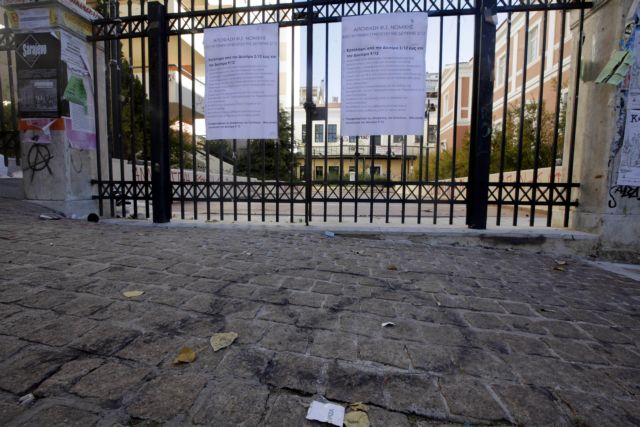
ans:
x=9 y=135
x=499 y=118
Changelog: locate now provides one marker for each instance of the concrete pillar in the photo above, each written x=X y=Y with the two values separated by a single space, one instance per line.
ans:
x=55 y=68
x=601 y=210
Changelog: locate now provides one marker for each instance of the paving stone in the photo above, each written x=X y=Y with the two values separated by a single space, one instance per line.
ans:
x=288 y=410
x=62 y=416
x=110 y=381
x=9 y=411
x=47 y=298
x=29 y=367
x=471 y=399
x=381 y=418
x=10 y=345
x=573 y=351
x=334 y=345
x=164 y=398
x=68 y=374
x=304 y=374
x=436 y=359
x=243 y=363
x=485 y=321
x=83 y=306
x=387 y=352
x=587 y=409
x=530 y=406
x=151 y=349
x=7 y=310
x=62 y=330
x=232 y=404
x=349 y=382
x=105 y=339
x=607 y=334
x=286 y=338
x=413 y=394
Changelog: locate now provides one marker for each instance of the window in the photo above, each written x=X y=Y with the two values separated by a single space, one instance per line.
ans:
x=334 y=171
x=304 y=132
x=532 y=44
x=398 y=139
x=376 y=140
x=319 y=133
x=301 y=172
x=352 y=139
x=432 y=134
x=374 y=170
x=332 y=133
x=319 y=172
x=502 y=68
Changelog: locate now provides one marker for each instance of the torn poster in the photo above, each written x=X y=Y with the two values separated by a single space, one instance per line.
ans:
x=36 y=130
x=73 y=51
x=79 y=139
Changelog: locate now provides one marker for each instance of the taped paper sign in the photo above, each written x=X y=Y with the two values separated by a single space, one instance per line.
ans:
x=241 y=92
x=32 y=19
x=36 y=130
x=326 y=412
x=383 y=69
x=75 y=91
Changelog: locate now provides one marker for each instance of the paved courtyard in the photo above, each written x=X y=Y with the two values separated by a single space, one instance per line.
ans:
x=481 y=336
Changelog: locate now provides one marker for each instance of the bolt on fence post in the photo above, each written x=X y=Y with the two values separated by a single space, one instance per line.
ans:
x=159 y=112
x=480 y=152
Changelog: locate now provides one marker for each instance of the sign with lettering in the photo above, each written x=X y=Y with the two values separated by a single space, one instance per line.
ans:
x=383 y=74
x=39 y=75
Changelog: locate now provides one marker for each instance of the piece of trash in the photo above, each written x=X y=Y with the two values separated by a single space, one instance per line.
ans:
x=93 y=217
x=329 y=234
x=387 y=324
x=358 y=406
x=132 y=294
x=356 y=419
x=392 y=267
x=561 y=262
x=558 y=268
x=326 y=412
x=49 y=217
x=222 y=340
x=185 y=355
x=26 y=399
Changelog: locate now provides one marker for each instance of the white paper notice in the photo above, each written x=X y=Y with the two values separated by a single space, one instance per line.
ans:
x=73 y=52
x=326 y=412
x=383 y=69
x=83 y=119
x=629 y=169
x=241 y=92
x=32 y=19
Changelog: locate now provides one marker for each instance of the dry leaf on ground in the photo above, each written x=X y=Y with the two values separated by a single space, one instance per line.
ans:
x=186 y=355
x=222 y=340
x=132 y=294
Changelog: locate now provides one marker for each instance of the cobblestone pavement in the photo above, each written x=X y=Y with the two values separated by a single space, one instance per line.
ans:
x=481 y=335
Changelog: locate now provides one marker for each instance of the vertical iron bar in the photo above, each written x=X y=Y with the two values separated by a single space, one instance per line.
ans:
x=180 y=120
x=221 y=181
x=388 y=183
x=159 y=109
x=437 y=171
x=145 y=141
x=193 y=120
x=132 y=124
x=574 y=117
x=484 y=112
x=96 y=112
x=372 y=153
x=341 y=183
x=554 y=149
x=264 y=159
x=355 y=193
x=249 y=192
x=309 y=108
x=505 y=106
x=455 y=123
x=532 y=214
x=523 y=102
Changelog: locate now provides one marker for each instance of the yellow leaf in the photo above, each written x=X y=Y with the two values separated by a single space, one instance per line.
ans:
x=356 y=419
x=392 y=267
x=222 y=340
x=359 y=406
x=132 y=294
x=186 y=355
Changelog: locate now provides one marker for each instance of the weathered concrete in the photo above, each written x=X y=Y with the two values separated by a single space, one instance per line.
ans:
x=486 y=336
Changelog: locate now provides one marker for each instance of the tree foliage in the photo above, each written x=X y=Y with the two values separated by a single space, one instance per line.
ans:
x=510 y=137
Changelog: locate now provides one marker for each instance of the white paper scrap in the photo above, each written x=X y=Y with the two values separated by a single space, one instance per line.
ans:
x=326 y=412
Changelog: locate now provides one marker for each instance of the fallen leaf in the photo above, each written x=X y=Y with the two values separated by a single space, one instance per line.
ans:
x=561 y=262
x=356 y=419
x=558 y=268
x=222 y=340
x=387 y=324
x=358 y=406
x=186 y=355
x=392 y=267
x=132 y=294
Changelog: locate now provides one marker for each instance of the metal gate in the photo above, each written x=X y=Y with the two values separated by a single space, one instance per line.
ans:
x=500 y=117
